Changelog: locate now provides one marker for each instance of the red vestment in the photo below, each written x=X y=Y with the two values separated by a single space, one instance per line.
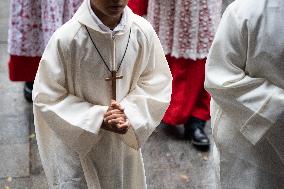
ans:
x=189 y=97
x=138 y=6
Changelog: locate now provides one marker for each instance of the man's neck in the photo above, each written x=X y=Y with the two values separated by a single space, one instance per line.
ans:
x=110 y=22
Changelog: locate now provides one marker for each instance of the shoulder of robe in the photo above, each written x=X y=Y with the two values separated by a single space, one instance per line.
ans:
x=144 y=27
x=67 y=32
x=251 y=10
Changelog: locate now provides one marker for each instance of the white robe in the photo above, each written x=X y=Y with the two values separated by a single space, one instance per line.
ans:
x=71 y=96
x=245 y=76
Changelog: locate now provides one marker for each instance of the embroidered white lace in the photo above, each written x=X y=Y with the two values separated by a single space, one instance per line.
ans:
x=186 y=28
x=33 y=22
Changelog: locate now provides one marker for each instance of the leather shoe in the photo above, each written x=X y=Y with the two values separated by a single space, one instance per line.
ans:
x=28 y=88
x=194 y=130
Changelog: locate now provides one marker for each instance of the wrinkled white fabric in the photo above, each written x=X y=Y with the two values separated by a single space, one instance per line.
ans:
x=185 y=27
x=245 y=76
x=71 y=96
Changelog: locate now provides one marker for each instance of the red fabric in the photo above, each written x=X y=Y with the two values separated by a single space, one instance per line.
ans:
x=189 y=97
x=23 y=68
x=138 y=6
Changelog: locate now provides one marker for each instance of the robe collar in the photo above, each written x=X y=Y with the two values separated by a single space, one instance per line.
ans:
x=85 y=17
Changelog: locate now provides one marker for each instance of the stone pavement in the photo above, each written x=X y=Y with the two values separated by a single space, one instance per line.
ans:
x=170 y=162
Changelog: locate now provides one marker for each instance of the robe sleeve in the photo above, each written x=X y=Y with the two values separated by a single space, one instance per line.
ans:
x=231 y=85
x=75 y=121
x=146 y=104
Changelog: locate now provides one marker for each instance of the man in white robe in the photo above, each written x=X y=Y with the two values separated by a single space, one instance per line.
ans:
x=72 y=98
x=245 y=76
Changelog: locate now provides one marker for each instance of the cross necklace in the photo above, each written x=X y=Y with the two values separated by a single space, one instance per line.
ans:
x=113 y=71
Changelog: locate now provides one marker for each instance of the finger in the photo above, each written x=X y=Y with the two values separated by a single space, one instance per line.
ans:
x=117 y=113
x=111 y=112
x=117 y=105
x=122 y=125
x=109 y=108
x=113 y=103
x=115 y=116
x=115 y=121
x=113 y=128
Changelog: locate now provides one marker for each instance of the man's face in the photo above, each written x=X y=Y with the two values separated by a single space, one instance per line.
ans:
x=110 y=8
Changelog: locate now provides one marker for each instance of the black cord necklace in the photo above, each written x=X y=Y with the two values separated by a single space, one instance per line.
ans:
x=101 y=54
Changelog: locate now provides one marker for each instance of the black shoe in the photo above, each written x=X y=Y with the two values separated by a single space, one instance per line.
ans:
x=28 y=88
x=194 y=130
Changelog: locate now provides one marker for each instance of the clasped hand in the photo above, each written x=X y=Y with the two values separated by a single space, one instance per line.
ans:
x=115 y=119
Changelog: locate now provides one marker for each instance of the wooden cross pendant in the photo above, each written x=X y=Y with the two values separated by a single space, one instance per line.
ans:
x=113 y=79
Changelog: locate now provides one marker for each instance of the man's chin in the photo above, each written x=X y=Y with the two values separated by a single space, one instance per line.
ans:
x=115 y=11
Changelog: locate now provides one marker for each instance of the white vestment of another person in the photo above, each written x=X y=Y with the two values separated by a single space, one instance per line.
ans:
x=71 y=96
x=245 y=76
